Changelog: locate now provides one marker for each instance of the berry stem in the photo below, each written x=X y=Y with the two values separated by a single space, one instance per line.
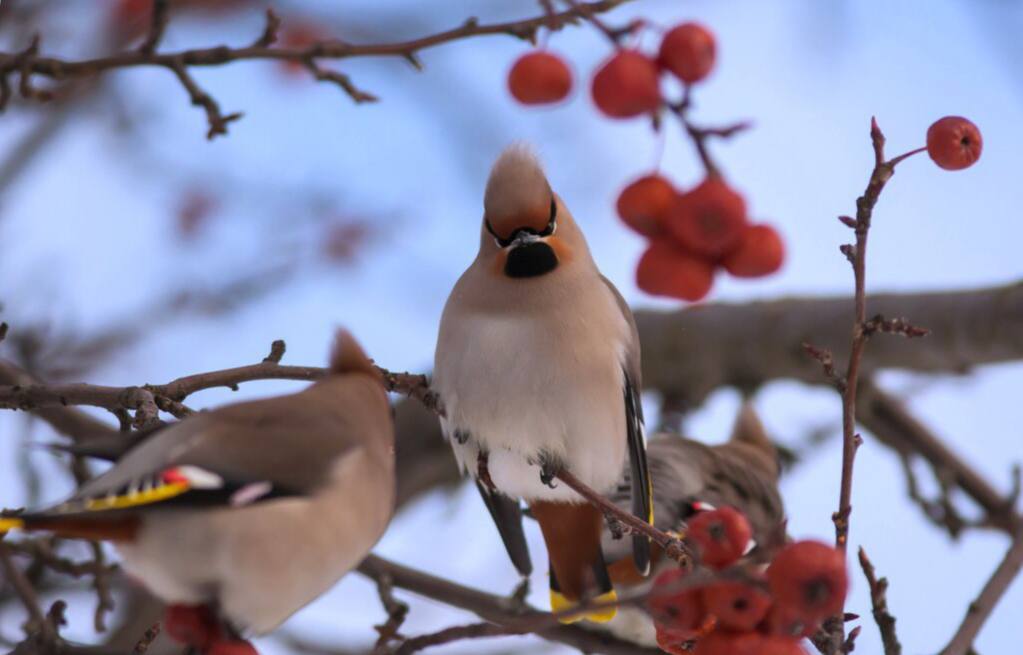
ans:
x=895 y=160
x=613 y=35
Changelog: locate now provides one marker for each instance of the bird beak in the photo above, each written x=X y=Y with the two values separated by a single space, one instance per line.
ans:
x=524 y=237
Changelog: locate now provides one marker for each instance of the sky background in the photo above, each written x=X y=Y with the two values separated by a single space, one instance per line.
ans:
x=90 y=239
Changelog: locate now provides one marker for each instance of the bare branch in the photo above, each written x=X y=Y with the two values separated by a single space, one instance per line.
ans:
x=29 y=63
x=879 y=601
x=455 y=633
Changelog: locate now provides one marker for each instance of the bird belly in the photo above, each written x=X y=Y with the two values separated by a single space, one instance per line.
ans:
x=524 y=394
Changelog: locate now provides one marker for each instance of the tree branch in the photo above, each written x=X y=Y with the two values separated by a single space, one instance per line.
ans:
x=496 y=609
x=29 y=62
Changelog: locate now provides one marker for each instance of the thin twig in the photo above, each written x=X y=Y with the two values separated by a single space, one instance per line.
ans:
x=158 y=24
x=861 y=331
x=28 y=62
x=28 y=596
x=499 y=609
x=879 y=602
x=674 y=548
x=149 y=399
x=147 y=639
x=455 y=633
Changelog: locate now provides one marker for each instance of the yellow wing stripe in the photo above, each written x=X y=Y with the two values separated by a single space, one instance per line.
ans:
x=141 y=497
x=10 y=524
x=650 y=500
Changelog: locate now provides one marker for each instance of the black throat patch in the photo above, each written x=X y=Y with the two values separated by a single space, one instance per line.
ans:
x=530 y=260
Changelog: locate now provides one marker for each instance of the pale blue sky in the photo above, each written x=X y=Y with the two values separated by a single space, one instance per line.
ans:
x=93 y=224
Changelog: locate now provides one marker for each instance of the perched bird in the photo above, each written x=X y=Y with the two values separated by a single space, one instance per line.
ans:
x=689 y=477
x=537 y=366
x=240 y=516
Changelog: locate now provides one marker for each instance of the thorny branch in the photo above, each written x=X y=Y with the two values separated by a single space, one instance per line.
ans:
x=29 y=63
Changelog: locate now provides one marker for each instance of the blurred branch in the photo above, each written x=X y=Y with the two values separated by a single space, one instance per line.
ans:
x=688 y=353
x=979 y=610
x=29 y=63
x=892 y=424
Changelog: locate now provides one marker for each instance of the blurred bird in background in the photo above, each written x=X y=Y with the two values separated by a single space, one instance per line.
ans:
x=690 y=477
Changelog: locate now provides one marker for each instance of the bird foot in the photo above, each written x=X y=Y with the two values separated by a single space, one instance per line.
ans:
x=548 y=471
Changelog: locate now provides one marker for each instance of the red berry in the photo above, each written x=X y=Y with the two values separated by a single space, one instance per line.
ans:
x=710 y=219
x=675 y=642
x=760 y=252
x=736 y=605
x=538 y=78
x=785 y=621
x=722 y=642
x=809 y=577
x=231 y=647
x=677 y=612
x=626 y=85
x=193 y=625
x=778 y=645
x=954 y=143
x=645 y=203
x=720 y=535
x=688 y=51
x=667 y=270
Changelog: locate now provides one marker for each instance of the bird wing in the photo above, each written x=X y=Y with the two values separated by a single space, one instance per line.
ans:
x=642 y=489
x=236 y=455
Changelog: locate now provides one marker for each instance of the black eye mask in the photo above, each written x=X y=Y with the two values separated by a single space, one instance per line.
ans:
x=530 y=260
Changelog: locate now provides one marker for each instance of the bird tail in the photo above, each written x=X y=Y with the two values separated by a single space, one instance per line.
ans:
x=348 y=356
x=577 y=567
x=749 y=431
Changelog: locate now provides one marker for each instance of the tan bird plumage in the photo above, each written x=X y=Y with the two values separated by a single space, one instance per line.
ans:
x=285 y=496
x=537 y=366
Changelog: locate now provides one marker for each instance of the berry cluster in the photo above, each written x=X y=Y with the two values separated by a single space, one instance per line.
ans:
x=755 y=613
x=694 y=233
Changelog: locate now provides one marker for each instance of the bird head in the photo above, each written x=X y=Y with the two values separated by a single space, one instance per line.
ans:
x=527 y=230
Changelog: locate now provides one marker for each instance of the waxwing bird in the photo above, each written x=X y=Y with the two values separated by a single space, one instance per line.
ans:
x=537 y=366
x=690 y=477
x=250 y=511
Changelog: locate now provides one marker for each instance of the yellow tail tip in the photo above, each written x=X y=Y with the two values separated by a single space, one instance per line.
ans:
x=8 y=524
x=563 y=607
